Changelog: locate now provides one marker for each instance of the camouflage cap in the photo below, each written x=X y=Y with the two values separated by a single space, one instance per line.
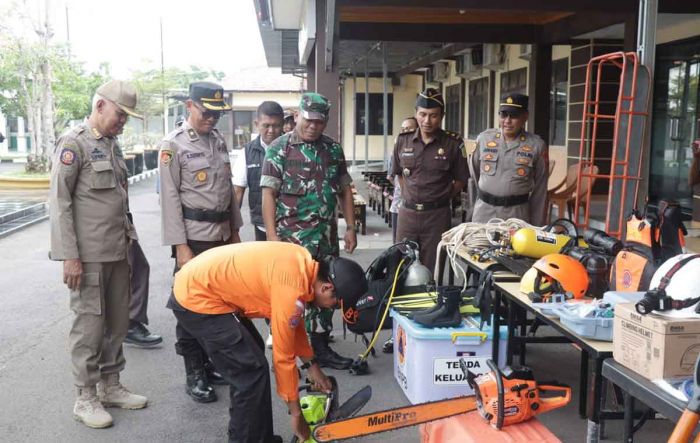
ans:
x=314 y=106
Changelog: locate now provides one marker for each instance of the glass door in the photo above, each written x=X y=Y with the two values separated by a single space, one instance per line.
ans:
x=675 y=121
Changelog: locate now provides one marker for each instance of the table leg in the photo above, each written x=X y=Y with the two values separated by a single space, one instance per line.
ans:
x=627 y=435
x=583 y=384
x=594 y=400
x=496 y=329
x=511 y=332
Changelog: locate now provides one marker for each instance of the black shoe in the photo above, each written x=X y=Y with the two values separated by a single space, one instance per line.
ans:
x=213 y=375
x=197 y=385
x=388 y=347
x=139 y=335
x=325 y=356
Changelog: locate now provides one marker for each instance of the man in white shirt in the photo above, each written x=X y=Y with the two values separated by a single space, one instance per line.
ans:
x=248 y=165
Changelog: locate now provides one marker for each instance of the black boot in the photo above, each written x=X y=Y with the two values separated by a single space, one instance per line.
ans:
x=438 y=305
x=197 y=385
x=325 y=356
x=213 y=376
x=447 y=316
x=139 y=335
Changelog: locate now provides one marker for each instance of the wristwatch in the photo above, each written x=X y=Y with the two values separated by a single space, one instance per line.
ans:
x=308 y=364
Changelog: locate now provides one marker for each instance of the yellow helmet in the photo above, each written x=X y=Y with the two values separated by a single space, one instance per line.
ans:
x=527 y=283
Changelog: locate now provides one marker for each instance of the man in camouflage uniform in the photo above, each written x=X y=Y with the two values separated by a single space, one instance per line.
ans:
x=90 y=233
x=303 y=176
x=198 y=209
x=509 y=166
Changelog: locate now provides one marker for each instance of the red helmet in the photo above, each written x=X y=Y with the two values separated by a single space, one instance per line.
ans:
x=563 y=273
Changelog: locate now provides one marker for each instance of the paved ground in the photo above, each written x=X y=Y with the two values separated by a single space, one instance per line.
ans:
x=36 y=393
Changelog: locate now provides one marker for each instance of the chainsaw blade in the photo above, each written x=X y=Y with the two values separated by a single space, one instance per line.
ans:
x=352 y=405
x=392 y=419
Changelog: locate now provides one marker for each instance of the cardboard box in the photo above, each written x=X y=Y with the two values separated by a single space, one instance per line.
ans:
x=655 y=346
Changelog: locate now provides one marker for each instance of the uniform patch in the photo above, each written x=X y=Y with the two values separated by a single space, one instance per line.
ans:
x=487 y=168
x=441 y=151
x=96 y=154
x=297 y=315
x=492 y=144
x=527 y=148
x=488 y=157
x=201 y=176
x=67 y=157
x=523 y=161
x=192 y=134
x=166 y=157
x=521 y=172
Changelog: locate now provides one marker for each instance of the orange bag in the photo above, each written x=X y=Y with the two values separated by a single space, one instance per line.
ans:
x=472 y=428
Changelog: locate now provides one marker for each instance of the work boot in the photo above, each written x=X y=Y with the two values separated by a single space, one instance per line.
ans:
x=113 y=394
x=268 y=341
x=139 y=335
x=447 y=315
x=89 y=410
x=325 y=356
x=213 y=376
x=197 y=385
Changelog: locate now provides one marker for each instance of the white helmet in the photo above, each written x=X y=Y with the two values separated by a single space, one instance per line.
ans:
x=683 y=284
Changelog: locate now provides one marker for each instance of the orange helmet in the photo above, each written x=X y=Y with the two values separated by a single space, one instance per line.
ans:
x=563 y=273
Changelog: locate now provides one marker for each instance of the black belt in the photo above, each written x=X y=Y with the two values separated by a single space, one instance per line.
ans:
x=206 y=215
x=427 y=206
x=511 y=200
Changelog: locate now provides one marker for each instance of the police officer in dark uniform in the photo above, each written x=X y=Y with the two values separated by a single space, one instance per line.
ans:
x=432 y=169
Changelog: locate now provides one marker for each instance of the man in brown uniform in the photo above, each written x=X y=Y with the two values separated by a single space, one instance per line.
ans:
x=90 y=233
x=198 y=208
x=432 y=169
x=509 y=167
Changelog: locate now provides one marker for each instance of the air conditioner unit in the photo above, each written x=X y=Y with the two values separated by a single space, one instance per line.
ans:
x=466 y=68
x=493 y=56
x=525 y=52
x=441 y=71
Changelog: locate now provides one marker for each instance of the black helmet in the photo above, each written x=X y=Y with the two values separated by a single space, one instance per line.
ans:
x=348 y=278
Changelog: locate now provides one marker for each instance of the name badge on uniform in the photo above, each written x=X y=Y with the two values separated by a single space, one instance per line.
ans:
x=190 y=155
x=254 y=165
x=97 y=154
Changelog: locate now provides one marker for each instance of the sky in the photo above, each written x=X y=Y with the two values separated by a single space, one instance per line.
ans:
x=212 y=34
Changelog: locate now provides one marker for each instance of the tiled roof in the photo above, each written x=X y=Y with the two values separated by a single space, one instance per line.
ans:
x=262 y=79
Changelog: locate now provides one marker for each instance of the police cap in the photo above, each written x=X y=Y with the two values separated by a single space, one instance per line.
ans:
x=209 y=95
x=430 y=98
x=514 y=103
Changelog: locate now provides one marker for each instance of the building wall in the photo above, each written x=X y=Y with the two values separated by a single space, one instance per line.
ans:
x=404 y=97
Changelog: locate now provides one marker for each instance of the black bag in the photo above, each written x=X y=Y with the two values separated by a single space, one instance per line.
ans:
x=369 y=310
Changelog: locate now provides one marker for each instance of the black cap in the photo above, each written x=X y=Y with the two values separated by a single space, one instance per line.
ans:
x=349 y=280
x=430 y=98
x=210 y=95
x=514 y=103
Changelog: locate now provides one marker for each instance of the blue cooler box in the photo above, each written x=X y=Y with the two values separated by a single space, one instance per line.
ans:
x=426 y=360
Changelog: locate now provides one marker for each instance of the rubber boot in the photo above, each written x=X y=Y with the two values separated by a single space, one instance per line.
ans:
x=438 y=305
x=447 y=316
x=325 y=356
x=197 y=385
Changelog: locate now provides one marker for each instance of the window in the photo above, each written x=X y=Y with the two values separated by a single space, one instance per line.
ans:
x=558 y=102
x=478 y=106
x=514 y=82
x=453 y=108
x=376 y=114
x=242 y=127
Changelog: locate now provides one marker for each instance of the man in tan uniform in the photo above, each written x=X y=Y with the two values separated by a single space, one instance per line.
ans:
x=509 y=167
x=90 y=233
x=198 y=209
x=432 y=169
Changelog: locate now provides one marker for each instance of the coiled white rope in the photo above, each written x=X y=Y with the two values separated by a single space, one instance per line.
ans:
x=473 y=235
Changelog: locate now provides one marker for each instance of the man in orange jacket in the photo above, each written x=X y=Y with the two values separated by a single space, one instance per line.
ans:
x=220 y=290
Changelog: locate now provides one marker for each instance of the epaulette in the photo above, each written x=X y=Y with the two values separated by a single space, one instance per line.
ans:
x=327 y=140
x=174 y=133
x=406 y=134
x=454 y=135
x=78 y=129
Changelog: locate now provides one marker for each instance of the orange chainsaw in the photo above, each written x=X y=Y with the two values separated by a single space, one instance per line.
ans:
x=512 y=395
x=520 y=403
